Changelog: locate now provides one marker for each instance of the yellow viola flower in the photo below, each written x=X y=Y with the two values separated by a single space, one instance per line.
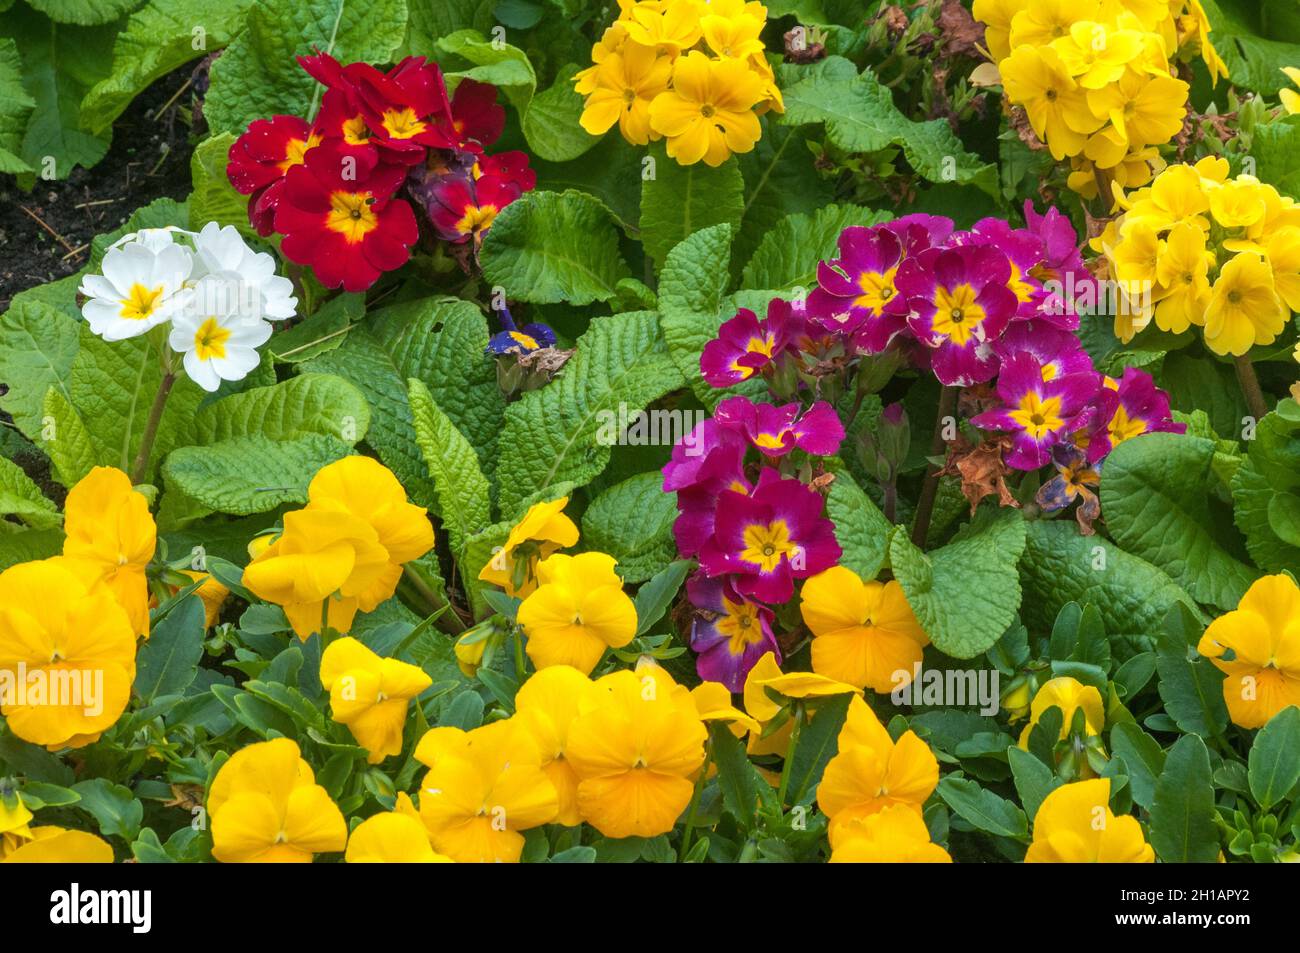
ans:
x=14 y=819
x=59 y=845
x=67 y=653
x=670 y=26
x=1069 y=695
x=893 y=835
x=577 y=612
x=324 y=559
x=806 y=685
x=1244 y=308
x=621 y=91
x=370 y=694
x=543 y=530
x=762 y=709
x=1289 y=97
x=1075 y=825
x=211 y=593
x=1095 y=55
x=713 y=703
x=708 y=114
x=1263 y=633
x=996 y=16
x=864 y=633
x=545 y=707
x=1183 y=274
x=1282 y=248
x=367 y=489
x=871 y=771
x=1057 y=106
x=636 y=750
x=396 y=837
x=109 y=527
x=483 y=787
x=266 y=807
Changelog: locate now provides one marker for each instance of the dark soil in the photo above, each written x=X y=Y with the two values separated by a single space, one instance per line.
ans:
x=149 y=159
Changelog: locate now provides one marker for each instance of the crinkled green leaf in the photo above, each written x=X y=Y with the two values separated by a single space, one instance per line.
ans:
x=27 y=545
x=21 y=497
x=633 y=521
x=551 y=122
x=306 y=404
x=15 y=109
x=1271 y=472
x=692 y=286
x=860 y=528
x=214 y=199
x=493 y=61
x=548 y=247
x=84 y=12
x=432 y=21
x=323 y=331
x=680 y=200
x=560 y=432
x=38 y=343
x=65 y=440
x=786 y=259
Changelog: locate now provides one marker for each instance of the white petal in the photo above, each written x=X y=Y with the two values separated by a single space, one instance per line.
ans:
x=202 y=372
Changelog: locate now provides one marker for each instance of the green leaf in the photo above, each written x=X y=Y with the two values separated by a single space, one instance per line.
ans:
x=322 y=332
x=84 y=12
x=1182 y=812
x=251 y=474
x=38 y=343
x=1034 y=780
x=463 y=493
x=306 y=404
x=1156 y=497
x=1274 y=768
x=633 y=521
x=257 y=76
x=1193 y=694
x=15 y=109
x=692 y=285
x=860 y=116
x=738 y=780
x=654 y=598
x=1059 y=566
x=818 y=743
x=214 y=199
x=1253 y=47
x=66 y=440
x=1144 y=760
x=27 y=545
x=432 y=21
x=787 y=257
x=551 y=122
x=1284 y=517
x=168 y=662
x=966 y=593
x=860 y=528
x=563 y=432
x=113 y=807
x=1273 y=468
x=494 y=62
x=158 y=37
x=21 y=497
x=548 y=247
x=679 y=200
x=983 y=809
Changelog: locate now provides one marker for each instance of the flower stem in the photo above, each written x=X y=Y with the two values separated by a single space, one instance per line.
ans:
x=930 y=488
x=796 y=725
x=140 y=469
x=1250 y=388
x=695 y=802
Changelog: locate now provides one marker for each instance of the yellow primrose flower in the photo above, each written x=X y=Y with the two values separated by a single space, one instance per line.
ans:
x=483 y=787
x=1289 y=97
x=1043 y=21
x=1075 y=825
x=1176 y=196
x=864 y=634
x=266 y=807
x=1057 y=107
x=1239 y=202
x=996 y=16
x=543 y=530
x=211 y=593
x=1244 y=308
x=369 y=694
x=670 y=26
x=545 y=707
x=1144 y=109
x=1136 y=258
x=1183 y=273
x=1069 y=695
x=708 y=114
x=731 y=28
x=871 y=771
x=109 y=527
x=1263 y=633
x=1096 y=56
x=59 y=845
x=396 y=837
x=893 y=835
x=1282 y=247
x=621 y=91
x=635 y=750
x=67 y=652
x=578 y=611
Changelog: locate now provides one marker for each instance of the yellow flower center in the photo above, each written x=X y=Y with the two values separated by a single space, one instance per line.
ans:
x=1123 y=427
x=403 y=123
x=141 y=302
x=766 y=544
x=210 y=340
x=707 y=110
x=477 y=219
x=295 y=152
x=351 y=216
x=1038 y=417
x=740 y=625
x=957 y=315
x=877 y=289
x=355 y=131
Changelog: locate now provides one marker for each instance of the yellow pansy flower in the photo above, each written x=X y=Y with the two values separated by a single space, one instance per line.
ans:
x=1263 y=633
x=396 y=837
x=1244 y=308
x=543 y=530
x=109 y=528
x=59 y=845
x=762 y=709
x=893 y=835
x=708 y=113
x=545 y=707
x=370 y=694
x=864 y=633
x=211 y=593
x=1075 y=825
x=577 y=612
x=63 y=634
x=14 y=818
x=713 y=703
x=266 y=807
x=1069 y=695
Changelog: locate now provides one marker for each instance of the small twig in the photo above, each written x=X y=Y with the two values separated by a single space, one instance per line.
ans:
x=166 y=151
x=175 y=96
x=76 y=251
x=41 y=222
x=97 y=202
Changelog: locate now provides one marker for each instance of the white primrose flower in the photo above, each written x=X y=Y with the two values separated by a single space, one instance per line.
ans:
x=218 y=344
x=142 y=285
x=223 y=251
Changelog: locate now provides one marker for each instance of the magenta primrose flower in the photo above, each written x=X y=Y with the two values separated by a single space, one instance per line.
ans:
x=856 y=295
x=1126 y=409
x=960 y=304
x=746 y=346
x=1060 y=352
x=1038 y=412
x=775 y=431
x=770 y=537
x=729 y=633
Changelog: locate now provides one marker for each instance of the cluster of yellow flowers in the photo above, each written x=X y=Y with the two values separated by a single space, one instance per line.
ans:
x=1197 y=247
x=1096 y=79
x=690 y=71
x=344 y=551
